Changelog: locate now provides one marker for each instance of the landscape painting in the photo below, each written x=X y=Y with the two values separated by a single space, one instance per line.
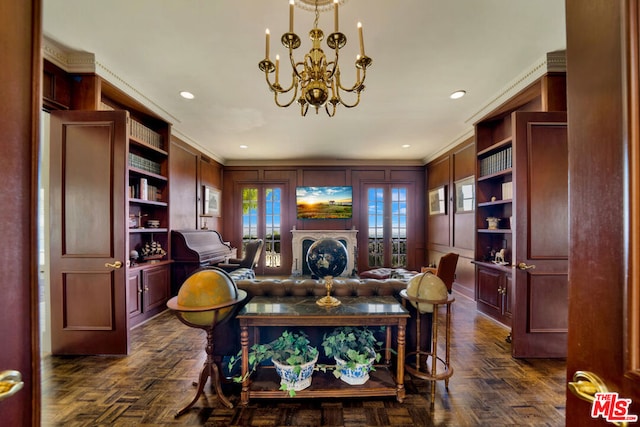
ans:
x=324 y=202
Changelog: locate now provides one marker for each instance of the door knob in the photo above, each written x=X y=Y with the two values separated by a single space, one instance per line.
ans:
x=116 y=264
x=10 y=383
x=523 y=266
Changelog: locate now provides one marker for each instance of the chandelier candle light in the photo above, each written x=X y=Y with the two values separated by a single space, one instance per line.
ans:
x=315 y=77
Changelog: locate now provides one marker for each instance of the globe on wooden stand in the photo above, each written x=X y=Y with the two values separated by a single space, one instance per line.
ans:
x=427 y=292
x=327 y=258
x=204 y=300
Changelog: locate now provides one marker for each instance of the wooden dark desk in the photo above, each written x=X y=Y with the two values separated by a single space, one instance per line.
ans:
x=303 y=311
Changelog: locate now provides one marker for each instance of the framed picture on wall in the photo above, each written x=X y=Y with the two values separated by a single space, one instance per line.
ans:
x=465 y=195
x=438 y=201
x=211 y=201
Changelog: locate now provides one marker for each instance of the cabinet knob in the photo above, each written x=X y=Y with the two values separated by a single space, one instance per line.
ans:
x=523 y=266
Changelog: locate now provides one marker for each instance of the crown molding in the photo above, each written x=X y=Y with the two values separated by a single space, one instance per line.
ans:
x=70 y=61
x=193 y=143
x=470 y=133
x=552 y=62
x=323 y=162
x=85 y=62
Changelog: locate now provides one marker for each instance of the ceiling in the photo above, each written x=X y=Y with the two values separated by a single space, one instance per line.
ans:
x=422 y=51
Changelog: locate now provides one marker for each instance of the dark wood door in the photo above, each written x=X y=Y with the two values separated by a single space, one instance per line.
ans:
x=88 y=234
x=20 y=91
x=604 y=156
x=540 y=323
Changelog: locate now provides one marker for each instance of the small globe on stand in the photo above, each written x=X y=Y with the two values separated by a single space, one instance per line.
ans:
x=327 y=258
x=426 y=286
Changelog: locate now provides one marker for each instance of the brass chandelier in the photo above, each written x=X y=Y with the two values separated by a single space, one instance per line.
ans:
x=315 y=80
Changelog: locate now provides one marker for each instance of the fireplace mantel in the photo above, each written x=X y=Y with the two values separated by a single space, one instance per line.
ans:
x=299 y=236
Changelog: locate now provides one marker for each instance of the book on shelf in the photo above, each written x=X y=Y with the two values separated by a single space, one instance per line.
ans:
x=143 y=133
x=496 y=162
x=507 y=190
x=144 y=189
x=144 y=164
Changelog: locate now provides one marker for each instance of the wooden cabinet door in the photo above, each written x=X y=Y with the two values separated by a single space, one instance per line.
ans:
x=540 y=311
x=134 y=294
x=507 y=301
x=155 y=281
x=88 y=232
x=490 y=283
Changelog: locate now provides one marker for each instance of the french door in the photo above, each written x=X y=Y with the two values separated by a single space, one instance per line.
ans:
x=262 y=218
x=386 y=225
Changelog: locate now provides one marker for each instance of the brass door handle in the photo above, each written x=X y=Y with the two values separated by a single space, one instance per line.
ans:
x=523 y=266
x=585 y=385
x=116 y=264
x=10 y=383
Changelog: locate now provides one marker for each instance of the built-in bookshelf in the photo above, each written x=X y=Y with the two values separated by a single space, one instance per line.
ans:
x=494 y=216
x=148 y=191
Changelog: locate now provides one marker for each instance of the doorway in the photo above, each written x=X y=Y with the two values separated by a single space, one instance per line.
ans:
x=44 y=296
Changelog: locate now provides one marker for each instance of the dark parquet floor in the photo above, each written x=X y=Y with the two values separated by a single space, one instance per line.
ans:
x=146 y=388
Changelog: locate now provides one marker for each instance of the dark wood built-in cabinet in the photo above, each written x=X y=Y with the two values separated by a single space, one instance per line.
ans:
x=494 y=200
x=521 y=250
x=494 y=290
x=148 y=289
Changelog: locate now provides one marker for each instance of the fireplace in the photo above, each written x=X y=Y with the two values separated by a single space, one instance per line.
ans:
x=302 y=239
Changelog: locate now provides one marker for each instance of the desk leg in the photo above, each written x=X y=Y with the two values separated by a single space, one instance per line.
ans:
x=400 y=361
x=434 y=353
x=387 y=347
x=244 y=343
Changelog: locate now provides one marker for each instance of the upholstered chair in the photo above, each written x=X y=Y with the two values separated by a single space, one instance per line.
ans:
x=252 y=252
x=446 y=270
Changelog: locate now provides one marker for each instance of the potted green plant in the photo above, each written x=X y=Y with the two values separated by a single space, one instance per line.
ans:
x=354 y=349
x=292 y=355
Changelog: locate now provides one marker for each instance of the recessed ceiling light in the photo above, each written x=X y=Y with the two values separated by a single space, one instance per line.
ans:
x=457 y=94
x=406 y=145
x=187 y=95
x=244 y=146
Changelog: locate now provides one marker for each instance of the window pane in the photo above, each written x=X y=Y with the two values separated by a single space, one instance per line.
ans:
x=272 y=226
x=399 y=227
x=249 y=215
x=375 y=206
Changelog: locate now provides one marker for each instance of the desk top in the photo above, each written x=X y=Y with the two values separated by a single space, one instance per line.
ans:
x=306 y=306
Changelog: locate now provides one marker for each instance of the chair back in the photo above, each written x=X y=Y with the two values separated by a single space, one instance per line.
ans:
x=252 y=252
x=447 y=269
